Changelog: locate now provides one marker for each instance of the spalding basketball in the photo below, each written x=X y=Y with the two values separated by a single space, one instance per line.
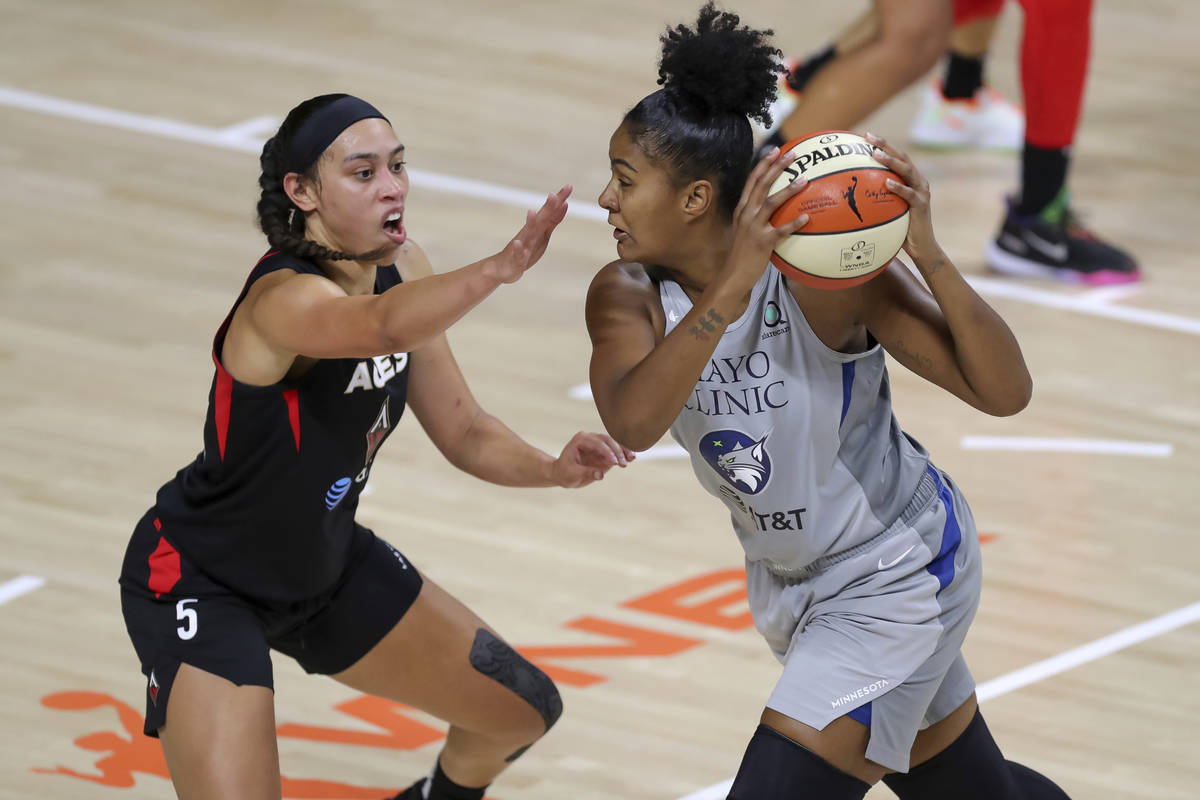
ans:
x=856 y=225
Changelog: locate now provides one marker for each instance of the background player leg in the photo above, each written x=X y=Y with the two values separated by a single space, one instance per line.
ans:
x=863 y=30
x=911 y=38
x=961 y=111
x=435 y=659
x=1040 y=236
x=219 y=739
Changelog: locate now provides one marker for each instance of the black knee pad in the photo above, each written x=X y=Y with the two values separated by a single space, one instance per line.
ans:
x=972 y=766
x=495 y=659
x=777 y=768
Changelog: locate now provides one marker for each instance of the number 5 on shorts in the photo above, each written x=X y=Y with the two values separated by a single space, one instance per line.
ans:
x=191 y=622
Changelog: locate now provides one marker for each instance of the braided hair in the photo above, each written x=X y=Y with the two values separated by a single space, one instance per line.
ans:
x=714 y=77
x=278 y=217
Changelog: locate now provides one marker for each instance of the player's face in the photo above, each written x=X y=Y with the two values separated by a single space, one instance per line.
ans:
x=643 y=204
x=363 y=188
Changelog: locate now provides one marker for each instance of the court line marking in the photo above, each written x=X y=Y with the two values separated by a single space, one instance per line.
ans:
x=662 y=451
x=235 y=137
x=1041 y=670
x=238 y=138
x=257 y=129
x=1109 y=294
x=24 y=584
x=1066 y=445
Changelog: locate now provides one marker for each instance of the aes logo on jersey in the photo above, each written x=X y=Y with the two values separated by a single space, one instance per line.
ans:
x=743 y=462
x=374 y=373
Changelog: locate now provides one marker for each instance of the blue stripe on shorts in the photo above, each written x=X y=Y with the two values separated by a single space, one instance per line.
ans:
x=861 y=714
x=942 y=566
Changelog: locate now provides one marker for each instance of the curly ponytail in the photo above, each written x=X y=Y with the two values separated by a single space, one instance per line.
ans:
x=714 y=77
x=278 y=217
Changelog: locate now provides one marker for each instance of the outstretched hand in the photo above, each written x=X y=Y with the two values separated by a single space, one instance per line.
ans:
x=530 y=242
x=754 y=235
x=587 y=457
x=920 y=240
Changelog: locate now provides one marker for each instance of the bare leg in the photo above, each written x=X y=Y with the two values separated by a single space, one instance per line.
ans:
x=913 y=35
x=973 y=39
x=219 y=739
x=860 y=32
x=425 y=662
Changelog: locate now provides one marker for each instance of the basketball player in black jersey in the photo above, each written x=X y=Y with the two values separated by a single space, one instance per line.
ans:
x=254 y=545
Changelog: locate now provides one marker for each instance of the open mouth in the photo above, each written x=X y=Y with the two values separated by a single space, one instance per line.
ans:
x=620 y=235
x=393 y=226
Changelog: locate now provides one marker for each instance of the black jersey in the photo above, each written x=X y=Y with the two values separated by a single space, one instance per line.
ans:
x=268 y=508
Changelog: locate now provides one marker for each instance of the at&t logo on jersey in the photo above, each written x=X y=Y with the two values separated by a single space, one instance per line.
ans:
x=742 y=461
x=336 y=492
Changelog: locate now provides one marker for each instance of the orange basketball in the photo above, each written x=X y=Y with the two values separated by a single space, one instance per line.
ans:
x=856 y=225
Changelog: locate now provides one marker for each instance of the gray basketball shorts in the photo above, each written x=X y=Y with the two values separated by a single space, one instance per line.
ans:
x=876 y=632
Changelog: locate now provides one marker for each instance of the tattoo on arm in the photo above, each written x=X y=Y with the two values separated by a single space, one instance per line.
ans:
x=913 y=358
x=707 y=324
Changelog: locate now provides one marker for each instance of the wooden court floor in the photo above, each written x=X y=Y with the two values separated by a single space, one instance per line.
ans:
x=127 y=133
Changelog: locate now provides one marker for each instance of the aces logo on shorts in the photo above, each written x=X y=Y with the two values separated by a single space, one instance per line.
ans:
x=741 y=460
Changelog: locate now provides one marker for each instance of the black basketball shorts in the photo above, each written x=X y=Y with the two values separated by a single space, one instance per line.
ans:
x=214 y=628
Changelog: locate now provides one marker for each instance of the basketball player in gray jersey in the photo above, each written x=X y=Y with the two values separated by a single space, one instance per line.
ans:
x=862 y=556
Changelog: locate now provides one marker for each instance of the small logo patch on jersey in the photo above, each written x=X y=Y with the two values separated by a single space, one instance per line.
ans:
x=152 y=687
x=742 y=461
x=336 y=492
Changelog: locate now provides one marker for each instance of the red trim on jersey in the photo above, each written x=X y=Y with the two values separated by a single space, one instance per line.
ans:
x=292 y=398
x=222 y=401
x=164 y=568
x=223 y=392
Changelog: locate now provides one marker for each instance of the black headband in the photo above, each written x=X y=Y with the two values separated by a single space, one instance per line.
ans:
x=318 y=131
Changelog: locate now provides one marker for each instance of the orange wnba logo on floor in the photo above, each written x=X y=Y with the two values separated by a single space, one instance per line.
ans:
x=715 y=600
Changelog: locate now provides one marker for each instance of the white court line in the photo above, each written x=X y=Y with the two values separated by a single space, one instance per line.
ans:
x=1081 y=303
x=1044 y=669
x=1062 y=445
x=1094 y=302
x=253 y=130
x=232 y=139
x=661 y=451
x=1089 y=652
x=25 y=584
x=1109 y=294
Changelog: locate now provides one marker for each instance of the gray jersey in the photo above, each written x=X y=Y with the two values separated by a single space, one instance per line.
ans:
x=798 y=440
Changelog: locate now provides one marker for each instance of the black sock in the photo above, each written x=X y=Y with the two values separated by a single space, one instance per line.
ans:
x=442 y=788
x=964 y=76
x=803 y=73
x=1043 y=175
